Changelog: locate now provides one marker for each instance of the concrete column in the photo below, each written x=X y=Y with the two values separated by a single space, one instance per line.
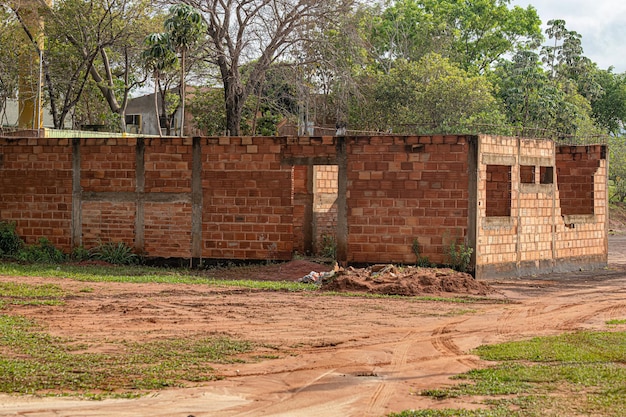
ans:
x=342 y=204
x=77 y=197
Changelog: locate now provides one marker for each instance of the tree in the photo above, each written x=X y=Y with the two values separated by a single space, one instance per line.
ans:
x=160 y=59
x=257 y=32
x=90 y=38
x=431 y=95
x=474 y=34
x=9 y=31
x=184 y=26
x=609 y=110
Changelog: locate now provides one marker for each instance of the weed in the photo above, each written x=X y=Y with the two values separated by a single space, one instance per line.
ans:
x=80 y=253
x=10 y=242
x=460 y=256
x=328 y=245
x=420 y=260
x=115 y=253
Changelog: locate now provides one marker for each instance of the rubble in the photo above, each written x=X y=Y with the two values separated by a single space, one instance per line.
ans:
x=398 y=280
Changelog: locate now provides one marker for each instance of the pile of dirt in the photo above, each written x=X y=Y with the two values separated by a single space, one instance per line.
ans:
x=408 y=281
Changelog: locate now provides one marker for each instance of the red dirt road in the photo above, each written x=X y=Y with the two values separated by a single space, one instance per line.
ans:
x=337 y=356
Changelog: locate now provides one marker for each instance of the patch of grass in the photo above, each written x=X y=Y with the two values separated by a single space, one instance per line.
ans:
x=26 y=294
x=34 y=362
x=615 y=322
x=141 y=274
x=501 y=411
x=580 y=373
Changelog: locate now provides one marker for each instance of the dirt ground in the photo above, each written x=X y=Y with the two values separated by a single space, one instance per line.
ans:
x=337 y=356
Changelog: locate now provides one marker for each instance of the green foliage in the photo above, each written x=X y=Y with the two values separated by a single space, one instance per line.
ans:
x=431 y=95
x=42 y=252
x=10 y=242
x=115 y=253
x=207 y=109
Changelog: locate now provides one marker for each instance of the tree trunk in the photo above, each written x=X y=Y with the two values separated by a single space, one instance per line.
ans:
x=182 y=91
x=156 y=104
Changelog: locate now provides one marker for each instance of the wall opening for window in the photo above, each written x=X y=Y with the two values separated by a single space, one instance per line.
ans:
x=527 y=174
x=546 y=175
x=498 y=198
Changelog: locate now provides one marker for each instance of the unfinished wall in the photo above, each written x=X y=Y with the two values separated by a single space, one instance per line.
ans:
x=523 y=205
x=536 y=236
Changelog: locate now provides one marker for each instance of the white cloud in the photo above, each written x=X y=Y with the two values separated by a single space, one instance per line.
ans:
x=602 y=24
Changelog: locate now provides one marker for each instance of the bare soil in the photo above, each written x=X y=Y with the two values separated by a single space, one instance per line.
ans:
x=332 y=355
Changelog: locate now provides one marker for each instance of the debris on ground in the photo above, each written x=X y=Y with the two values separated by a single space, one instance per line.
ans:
x=398 y=280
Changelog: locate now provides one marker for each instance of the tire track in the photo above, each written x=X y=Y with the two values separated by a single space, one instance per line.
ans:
x=384 y=390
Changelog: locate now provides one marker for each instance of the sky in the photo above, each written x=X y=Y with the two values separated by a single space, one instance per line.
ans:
x=602 y=24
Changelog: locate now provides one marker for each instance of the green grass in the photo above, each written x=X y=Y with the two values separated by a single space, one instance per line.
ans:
x=26 y=294
x=33 y=362
x=615 y=322
x=582 y=373
x=141 y=274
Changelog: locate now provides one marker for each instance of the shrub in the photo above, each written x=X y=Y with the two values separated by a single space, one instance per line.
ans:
x=80 y=253
x=41 y=252
x=460 y=256
x=10 y=242
x=115 y=253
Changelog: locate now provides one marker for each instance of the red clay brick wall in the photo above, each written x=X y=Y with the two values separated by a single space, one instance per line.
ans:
x=248 y=212
x=406 y=188
x=107 y=165
x=575 y=167
x=300 y=198
x=325 y=204
x=105 y=222
x=168 y=229
x=168 y=165
x=36 y=188
x=498 y=190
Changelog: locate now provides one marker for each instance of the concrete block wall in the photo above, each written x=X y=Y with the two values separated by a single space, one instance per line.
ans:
x=537 y=236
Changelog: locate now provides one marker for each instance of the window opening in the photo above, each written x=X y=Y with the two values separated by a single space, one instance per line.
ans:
x=498 y=185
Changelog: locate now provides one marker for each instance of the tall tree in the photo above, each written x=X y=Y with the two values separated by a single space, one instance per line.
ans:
x=9 y=31
x=257 y=32
x=475 y=34
x=160 y=59
x=97 y=39
x=184 y=26
x=431 y=95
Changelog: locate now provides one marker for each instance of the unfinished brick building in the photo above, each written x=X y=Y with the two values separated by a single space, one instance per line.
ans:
x=524 y=206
